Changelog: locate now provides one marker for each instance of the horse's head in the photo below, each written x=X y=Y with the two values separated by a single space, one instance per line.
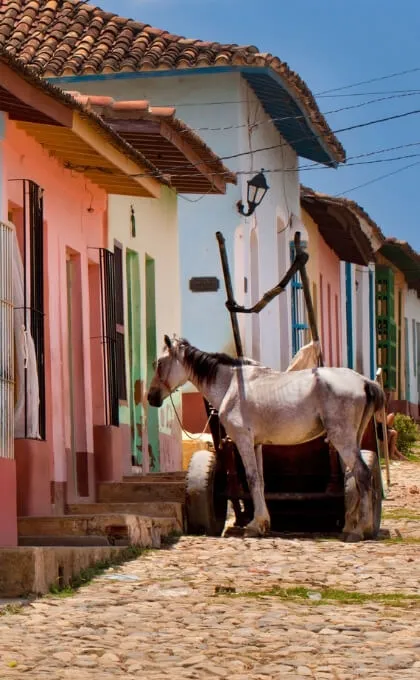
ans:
x=169 y=373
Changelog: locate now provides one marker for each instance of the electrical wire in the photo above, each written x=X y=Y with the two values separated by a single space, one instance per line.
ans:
x=280 y=119
x=377 y=179
x=371 y=80
x=277 y=146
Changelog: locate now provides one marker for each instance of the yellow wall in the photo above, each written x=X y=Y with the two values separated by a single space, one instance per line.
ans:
x=156 y=237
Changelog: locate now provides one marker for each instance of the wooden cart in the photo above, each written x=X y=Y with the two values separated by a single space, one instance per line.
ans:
x=305 y=486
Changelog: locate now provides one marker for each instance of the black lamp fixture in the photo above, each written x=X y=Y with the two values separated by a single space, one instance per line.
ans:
x=257 y=189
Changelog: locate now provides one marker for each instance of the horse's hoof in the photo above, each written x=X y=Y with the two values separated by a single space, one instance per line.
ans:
x=257 y=528
x=352 y=537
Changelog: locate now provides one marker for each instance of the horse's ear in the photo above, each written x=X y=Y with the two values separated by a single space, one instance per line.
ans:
x=168 y=342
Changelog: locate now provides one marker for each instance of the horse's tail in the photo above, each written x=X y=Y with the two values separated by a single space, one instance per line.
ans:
x=374 y=395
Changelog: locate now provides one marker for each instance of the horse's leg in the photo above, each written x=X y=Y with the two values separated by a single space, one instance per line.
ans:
x=358 y=509
x=260 y=523
x=259 y=457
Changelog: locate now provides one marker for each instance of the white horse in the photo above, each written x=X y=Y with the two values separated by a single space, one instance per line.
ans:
x=258 y=405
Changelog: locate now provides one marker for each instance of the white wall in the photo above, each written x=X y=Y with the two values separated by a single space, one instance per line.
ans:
x=412 y=313
x=362 y=320
x=225 y=101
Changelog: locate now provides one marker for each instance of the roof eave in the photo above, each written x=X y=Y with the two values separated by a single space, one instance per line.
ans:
x=402 y=256
x=326 y=154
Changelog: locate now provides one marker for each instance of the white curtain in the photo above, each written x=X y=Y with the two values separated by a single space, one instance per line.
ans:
x=25 y=358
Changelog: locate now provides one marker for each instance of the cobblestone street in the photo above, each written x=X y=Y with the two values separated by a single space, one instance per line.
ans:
x=206 y=608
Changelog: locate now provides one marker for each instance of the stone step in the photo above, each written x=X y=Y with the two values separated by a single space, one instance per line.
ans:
x=147 y=509
x=121 y=529
x=33 y=570
x=178 y=475
x=136 y=492
x=71 y=541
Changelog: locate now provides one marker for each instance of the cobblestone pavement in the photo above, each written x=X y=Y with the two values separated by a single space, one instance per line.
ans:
x=168 y=615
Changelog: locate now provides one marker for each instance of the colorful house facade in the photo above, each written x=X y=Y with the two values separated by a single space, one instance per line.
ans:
x=342 y=266
x=248 y=106
x=61 y=164
x=398 y=329
x=143 y=235
x=56 y=215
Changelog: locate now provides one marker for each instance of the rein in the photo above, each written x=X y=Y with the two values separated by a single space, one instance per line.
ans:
x=181 y=426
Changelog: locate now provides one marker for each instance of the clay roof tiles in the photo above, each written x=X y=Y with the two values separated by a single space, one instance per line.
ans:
x=345 y=226
x=170 y=153
x=68 y=37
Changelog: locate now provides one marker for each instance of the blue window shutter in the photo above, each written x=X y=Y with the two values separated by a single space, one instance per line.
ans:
x=299 y=323
x=349 y=316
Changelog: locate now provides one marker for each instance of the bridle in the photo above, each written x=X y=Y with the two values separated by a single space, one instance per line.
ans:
x=165 y=383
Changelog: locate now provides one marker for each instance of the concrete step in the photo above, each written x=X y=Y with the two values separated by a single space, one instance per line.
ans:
x=147 y=509
x=111 y=529
x=71 y=541
x=33 y=570
x=179 y=475
x=145 y=492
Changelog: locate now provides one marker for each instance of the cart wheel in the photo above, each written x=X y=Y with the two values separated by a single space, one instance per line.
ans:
x=372 y=461
x=206 y=504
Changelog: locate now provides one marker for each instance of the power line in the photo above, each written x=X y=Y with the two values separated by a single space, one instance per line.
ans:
x=295 y=141
x=371 y=80
x=364 y=94
x=181 y=105
x=271 y=121
x=377 y=179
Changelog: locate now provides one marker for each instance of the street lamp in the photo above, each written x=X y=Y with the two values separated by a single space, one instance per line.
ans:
x=257 y=189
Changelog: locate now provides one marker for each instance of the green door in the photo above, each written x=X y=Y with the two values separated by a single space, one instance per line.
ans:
x=136 y=387
x=153 y=413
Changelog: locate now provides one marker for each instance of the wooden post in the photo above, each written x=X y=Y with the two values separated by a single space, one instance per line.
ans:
x=380 y=380
x=229 y=293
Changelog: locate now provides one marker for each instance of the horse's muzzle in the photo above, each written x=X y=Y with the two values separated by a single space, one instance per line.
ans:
x=154 y=398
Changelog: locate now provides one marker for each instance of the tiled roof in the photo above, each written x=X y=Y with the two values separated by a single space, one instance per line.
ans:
x=56 y=93
x=348 y=203
x=344 y=225
x=68 y=37
x=405 y=258
x=171 y=145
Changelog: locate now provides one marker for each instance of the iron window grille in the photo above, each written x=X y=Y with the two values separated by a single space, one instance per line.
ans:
x=33 y=291
x=109 y=334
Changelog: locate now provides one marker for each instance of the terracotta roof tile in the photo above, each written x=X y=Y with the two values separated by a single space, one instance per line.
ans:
x=184 y=174
x=38 y=33
x=306 y=192
x=405 y=258
x=85 y=110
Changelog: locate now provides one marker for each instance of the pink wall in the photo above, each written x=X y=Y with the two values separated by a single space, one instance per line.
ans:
x=329 y=303
x=8 y=525
x=69 y=230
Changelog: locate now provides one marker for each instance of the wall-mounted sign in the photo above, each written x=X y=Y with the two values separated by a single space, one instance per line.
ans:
x=204 y=284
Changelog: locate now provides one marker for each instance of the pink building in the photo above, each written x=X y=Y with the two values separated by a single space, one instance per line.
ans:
x=86 y=292
x=58 y=163
x=342 y=241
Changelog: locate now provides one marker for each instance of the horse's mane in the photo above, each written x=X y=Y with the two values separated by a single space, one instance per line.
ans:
x=204 y=365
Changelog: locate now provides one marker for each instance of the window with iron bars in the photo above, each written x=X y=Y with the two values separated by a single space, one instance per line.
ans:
x=109 y=334
x=29 y=313
x=120 y=327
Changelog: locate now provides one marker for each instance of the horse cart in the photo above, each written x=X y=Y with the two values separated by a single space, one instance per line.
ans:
x=306 y=486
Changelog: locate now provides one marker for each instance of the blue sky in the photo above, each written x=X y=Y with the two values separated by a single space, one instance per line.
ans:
x=331 y=44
